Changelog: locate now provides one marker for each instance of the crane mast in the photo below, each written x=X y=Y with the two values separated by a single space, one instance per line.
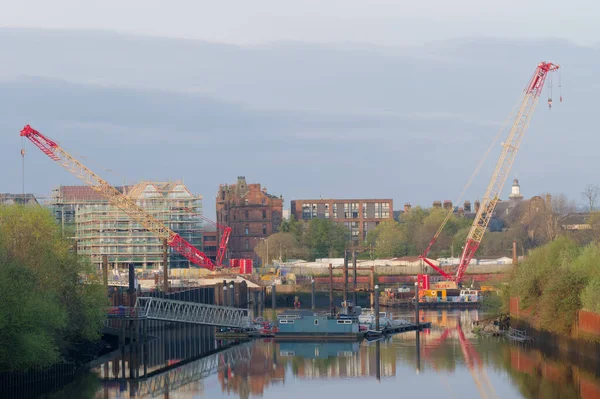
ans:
x=116 y=198
x=510 y=147
x=222 y=243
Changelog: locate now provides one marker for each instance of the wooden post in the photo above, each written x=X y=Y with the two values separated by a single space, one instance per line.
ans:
x=312 y=294
x=105 y=270
x=376 y=308
x=345 y=275
x=331 y=288
x=166 y=265
x=355 y=284
x=372 y=285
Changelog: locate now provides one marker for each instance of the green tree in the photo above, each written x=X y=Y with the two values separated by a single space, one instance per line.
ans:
x=325 y=238
x=30 y=238
x=294 y=227
x=281 y=246
x=388 y=240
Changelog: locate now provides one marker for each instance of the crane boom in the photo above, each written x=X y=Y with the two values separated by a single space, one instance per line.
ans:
x=116 y=198
x=505 y=161
x=224 y=240
x=510 y=147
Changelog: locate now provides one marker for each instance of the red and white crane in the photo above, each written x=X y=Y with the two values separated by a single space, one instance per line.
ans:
x=224 y=240
x=510 y=147
x=116 y=198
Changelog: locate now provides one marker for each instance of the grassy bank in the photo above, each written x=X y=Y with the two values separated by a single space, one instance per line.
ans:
x=555 y=281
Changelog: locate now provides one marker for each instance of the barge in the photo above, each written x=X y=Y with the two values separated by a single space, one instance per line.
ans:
x=296 y=325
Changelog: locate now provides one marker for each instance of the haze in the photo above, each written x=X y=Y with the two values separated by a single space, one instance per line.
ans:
x=332 y=99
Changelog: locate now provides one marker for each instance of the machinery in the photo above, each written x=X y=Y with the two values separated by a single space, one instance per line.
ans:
x=510 y=147
x=223 y=243
x=115 y=198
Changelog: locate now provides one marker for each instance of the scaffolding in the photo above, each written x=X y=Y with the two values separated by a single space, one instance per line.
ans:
x=102 y=229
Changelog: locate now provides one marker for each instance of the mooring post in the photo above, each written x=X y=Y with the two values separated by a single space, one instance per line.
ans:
x=224 y=293
x=346 y=275
x=417 y=303
x=378 y=361
x=377 y=307
x=355 y=284
x=372 y=285
x=312 y=294
x=273 y=296
x=166 y=265
x=331 y=309
x=231 y=295
x=105 y=270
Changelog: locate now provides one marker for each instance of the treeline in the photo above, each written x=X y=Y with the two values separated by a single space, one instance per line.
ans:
x=45 y=310
x=557 y=280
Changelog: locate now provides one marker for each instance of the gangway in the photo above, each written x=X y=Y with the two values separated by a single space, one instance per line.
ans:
x=190 y=312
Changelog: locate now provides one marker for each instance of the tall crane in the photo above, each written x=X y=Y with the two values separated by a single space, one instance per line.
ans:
x=116 y=198
x=224 y=240
x=510 y=147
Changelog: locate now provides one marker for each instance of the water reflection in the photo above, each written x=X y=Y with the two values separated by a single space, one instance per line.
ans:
x=447 y=359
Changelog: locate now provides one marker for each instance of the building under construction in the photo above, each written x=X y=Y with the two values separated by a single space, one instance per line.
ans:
x=102 y=229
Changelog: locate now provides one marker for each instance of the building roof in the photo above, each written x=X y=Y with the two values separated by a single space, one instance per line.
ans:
x=81 y=194
x=22 y=199
x=575 y=218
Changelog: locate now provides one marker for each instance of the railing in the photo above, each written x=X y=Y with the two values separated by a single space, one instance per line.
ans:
x=196 y=313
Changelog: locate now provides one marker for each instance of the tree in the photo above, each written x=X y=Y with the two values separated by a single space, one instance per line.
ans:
x=325 y=238
x=590 y=196
x=293 y=226
x=388 y=240
x=51 y=274
x=282 y=246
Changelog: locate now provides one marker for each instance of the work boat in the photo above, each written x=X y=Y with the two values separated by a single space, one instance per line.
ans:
x=367 y=320
x=310 y=325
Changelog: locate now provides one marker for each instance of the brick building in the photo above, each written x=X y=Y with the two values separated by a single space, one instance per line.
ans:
x=210 y=244
x=252 y=214
x=358 y=215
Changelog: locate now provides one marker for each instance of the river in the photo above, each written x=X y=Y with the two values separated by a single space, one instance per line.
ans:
x=446 y=361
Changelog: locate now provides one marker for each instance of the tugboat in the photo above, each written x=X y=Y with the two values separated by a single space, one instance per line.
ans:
x=309 y=325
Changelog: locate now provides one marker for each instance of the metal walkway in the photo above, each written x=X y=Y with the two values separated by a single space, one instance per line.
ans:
x=161 y=382
x=189 y=312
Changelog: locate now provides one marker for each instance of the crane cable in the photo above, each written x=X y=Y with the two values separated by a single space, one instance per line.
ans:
x=477 y=168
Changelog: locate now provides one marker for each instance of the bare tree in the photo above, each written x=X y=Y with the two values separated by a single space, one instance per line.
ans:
x=558 y=206
x=590 y=195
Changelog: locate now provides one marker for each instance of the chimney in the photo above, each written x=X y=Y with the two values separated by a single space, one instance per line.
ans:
x=407 y=207
x=515 y=259
x=447 y=205
x=477 y=204
x=437 y=204
x=468 y=206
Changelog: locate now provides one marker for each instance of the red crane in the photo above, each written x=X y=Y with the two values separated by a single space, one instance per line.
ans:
x=116 y=198
x=224 y=240
x=510 y=147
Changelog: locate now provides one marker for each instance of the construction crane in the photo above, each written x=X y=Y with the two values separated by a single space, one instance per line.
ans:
x=116 y=198
x=510 y=147
x=224 y=240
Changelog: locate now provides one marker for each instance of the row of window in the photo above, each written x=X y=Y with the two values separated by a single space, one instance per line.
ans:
x=350 y=211
x=247 y=216
x=247 y=230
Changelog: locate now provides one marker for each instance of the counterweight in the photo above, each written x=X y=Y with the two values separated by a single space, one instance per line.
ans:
x=116 y=198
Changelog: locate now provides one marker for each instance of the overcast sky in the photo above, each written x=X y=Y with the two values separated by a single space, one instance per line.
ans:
x=385 y=22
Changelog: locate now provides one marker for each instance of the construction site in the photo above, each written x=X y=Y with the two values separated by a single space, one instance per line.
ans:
x=101 y=228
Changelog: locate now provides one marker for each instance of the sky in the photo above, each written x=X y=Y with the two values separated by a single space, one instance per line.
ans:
x=382 y=22
x=312 y=99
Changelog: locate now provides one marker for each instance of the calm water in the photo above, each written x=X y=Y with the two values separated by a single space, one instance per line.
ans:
x=447 y=361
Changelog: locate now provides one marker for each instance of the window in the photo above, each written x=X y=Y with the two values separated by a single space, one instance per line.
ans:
x=246 y=215
x=364 y=206
x=354 y=210
x=263 y=201
x=306 y=211
x=264 y=227
x=246 y=201
x=326 y=211
x=335 y=213
x=247 y=230
x=313 y=214
x=346 y=211
x=235 y=216
x=264 y=215
x=247 y=244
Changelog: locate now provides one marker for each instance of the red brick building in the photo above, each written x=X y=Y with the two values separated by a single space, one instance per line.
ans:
x=358 y=215
x=251 y=212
